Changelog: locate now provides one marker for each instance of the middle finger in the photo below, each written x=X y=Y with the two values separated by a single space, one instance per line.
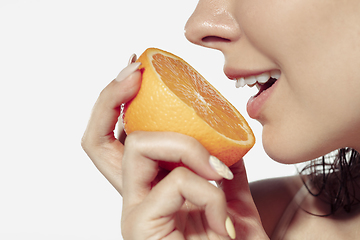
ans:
x=142 y=152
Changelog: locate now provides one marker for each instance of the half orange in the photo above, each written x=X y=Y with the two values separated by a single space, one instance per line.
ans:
x=175 y=97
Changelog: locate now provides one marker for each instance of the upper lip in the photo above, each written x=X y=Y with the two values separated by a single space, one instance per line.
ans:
x=235 y=74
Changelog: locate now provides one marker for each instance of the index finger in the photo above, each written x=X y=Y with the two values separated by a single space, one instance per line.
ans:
x=99 y=141
x=106 y=110
x=145 y=149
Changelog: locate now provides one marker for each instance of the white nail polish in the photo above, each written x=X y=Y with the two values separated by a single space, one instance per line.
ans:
x=128 y=71
x=230 y=228
x=132 y=59
x=220 y=168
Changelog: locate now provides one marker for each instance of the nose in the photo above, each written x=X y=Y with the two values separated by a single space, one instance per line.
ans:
x=213 y=24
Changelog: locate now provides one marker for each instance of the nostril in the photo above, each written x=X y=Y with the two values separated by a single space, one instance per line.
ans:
x=214 y=39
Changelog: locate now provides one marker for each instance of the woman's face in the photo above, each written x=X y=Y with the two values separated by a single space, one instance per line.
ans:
x=314 y=106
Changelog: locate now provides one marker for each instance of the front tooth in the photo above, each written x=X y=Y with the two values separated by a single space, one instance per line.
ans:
x=240 y=82
x=275 y=74
x=250 y=80
x=263 y=78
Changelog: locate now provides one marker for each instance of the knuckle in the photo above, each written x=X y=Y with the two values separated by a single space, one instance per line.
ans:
x=88 y=142
x=193 y=146
x=133 y=139
x=179 y=176
x=85 y=143
x=219 y=196
x=190 y=141
x=91 y=145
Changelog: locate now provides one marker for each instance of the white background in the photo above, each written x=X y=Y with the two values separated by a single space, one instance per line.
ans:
x=55 y=58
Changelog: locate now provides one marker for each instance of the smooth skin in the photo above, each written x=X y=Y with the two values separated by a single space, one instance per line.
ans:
x=316 y=46
x=147 y=211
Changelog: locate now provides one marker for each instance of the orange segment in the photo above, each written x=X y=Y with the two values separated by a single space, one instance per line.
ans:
x=197 y=93
x=175 y=97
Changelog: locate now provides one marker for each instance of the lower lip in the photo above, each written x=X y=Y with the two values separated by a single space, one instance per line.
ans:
x=255 y=104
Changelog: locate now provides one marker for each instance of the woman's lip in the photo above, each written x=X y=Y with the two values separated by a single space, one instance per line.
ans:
x=256 y=103
x=234 y=74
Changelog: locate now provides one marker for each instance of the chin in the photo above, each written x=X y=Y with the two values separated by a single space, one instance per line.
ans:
x=289 y=150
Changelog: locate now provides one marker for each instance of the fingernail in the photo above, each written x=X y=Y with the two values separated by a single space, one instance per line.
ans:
x=230 y=228
x=127 y=71
x=220 y=168
x=132 y=59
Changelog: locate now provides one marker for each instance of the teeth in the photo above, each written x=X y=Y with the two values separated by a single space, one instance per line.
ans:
x=240 y=82
x=250 y=80
x=275 y=74
x=261 y=79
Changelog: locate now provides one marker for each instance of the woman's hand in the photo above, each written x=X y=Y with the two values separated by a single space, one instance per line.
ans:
x=183 y=204
x=159 y=206
x=99 y=140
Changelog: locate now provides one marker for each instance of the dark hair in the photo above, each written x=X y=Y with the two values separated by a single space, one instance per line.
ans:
x=334 y=178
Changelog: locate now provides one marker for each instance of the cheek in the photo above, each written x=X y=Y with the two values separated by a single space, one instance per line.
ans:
x=293 y=122
x=314 y=110
x=299 y=27
x=302 y=125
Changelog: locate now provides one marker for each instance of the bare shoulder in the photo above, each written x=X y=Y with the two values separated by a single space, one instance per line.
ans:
x=272 y=196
